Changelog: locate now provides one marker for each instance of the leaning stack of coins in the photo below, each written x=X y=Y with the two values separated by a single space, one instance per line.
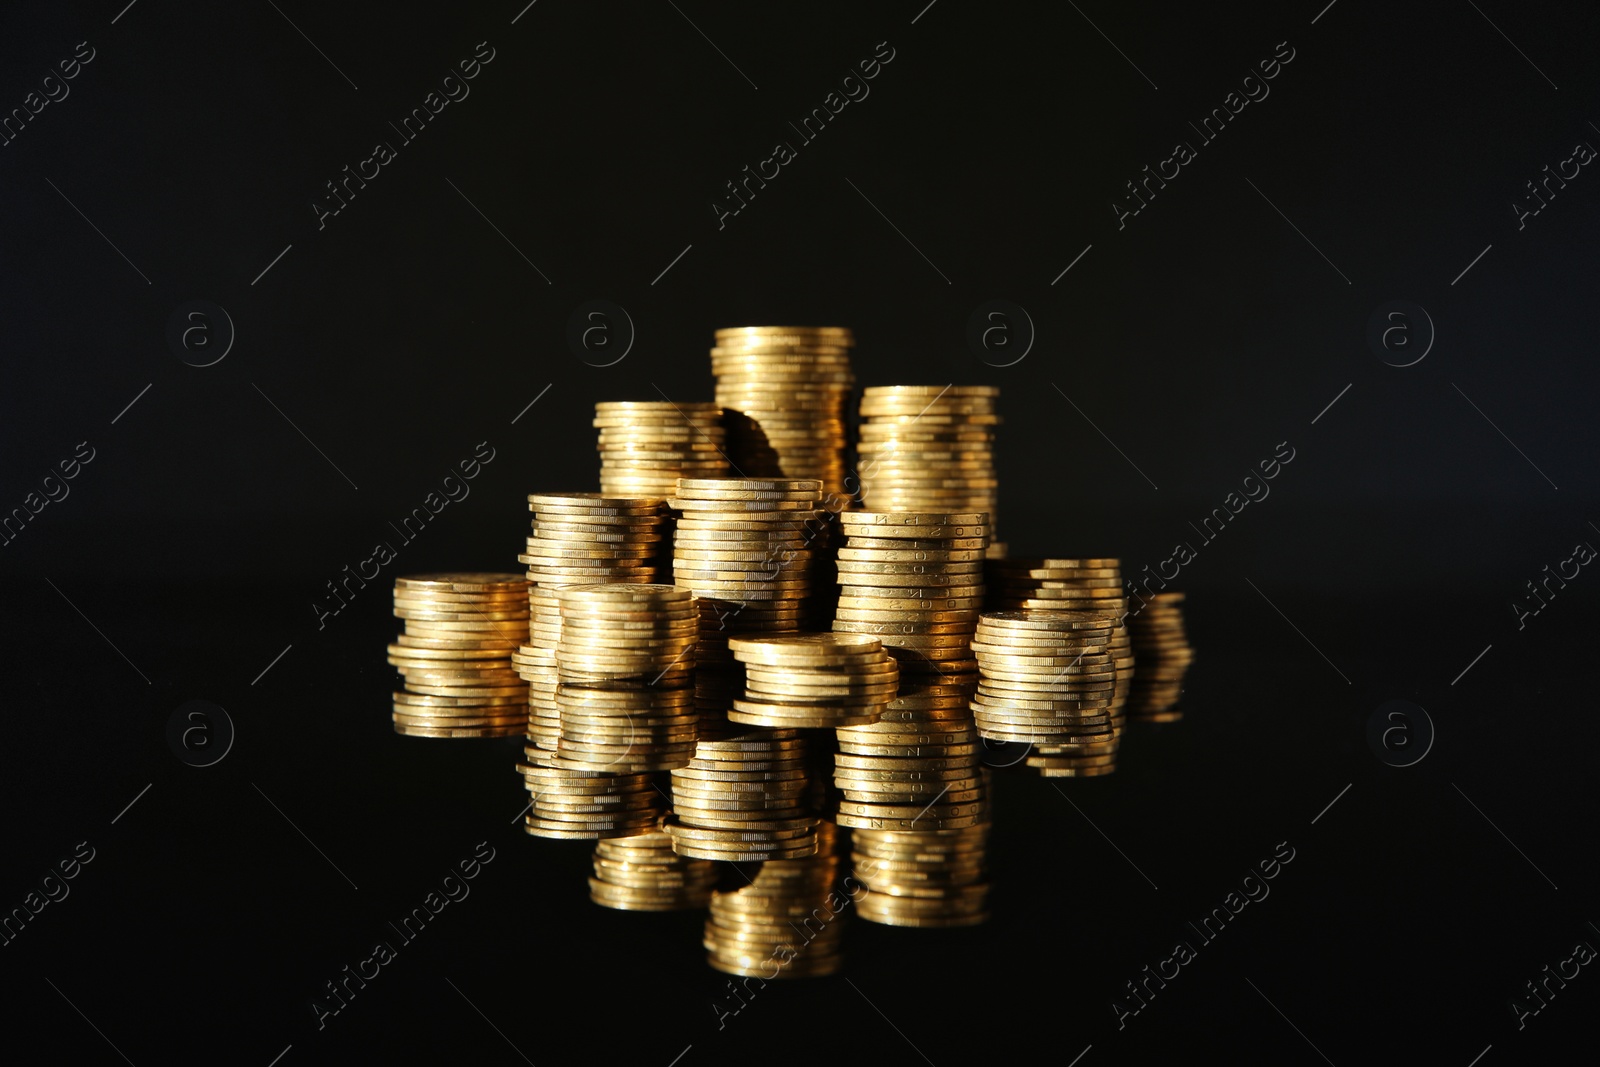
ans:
x=1164 y=655
x=786 y=923
x=930 y=448
x=1072 y=585
x=642 y=873
x=646 y=446
x=914 y=580
x=918 y=768
x=927 y=879
x=455 y=654
x=783 y=389
x=821 y=680
x=1045 y=677
x=743 y=545
x=744 y=795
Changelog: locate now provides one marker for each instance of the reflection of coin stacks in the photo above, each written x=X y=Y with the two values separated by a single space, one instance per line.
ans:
x=744 y=546
x=642 y=873
x=930 y=448
x=1046 y=677
x=813 y=680
x=924 y=878
x=455 y=654
x=1072 y=585
x=743 y=796
x=917 y=769
x=1164 y=655
x=783 y=389
x=646 y=446
x=786 y=923
x=915 y=581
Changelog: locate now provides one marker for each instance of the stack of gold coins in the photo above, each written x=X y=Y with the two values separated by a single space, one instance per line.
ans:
x=821 y=680
x=914 y=580
x=918 y=769
x=646 y=446
x=783 y=389
x=927 y=879
x=1093 y=584
x=537 y=667
x=1045 y=677
x=583 y=805
x=1160 y=642
x=744 y=546
x=642 y=873
x=744 y=796
x=786 y=922
x=455 y=655
x=930 y=448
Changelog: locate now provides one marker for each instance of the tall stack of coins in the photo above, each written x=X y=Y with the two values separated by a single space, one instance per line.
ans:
x=1164 y=655
x=1072 y=585
x=624 y=664
x=455 y=655
x=646 y=446
x=930 y=448
x=822 y=680
x=784 y=389
x=642 y=873
x=786 y=923
x=744 y=795
x=918 y=768
x=914 y=580
x=1045 y=677
x=928 y=879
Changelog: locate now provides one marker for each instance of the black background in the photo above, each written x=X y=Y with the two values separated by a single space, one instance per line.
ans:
x=382 y=348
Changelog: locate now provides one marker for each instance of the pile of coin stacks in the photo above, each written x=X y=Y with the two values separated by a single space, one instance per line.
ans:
x=923 y=878
x=455 y=655
x=1164 y=655
x=918 y=768
x=783 y=390
x=1046 y=677
x=1072 y=585
x=642 y=873
x=914 y=580
x=930 y=448
x=646 y=446
x=786 y=923
x=805 y=681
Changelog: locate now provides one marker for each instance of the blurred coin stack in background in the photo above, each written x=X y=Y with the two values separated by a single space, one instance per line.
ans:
x=455 y=655
x=811 y=681
x=925 y=878
x=642 y=873
x=646 y=446
x=1164 y=655
x=786 y=922
x=930 y=448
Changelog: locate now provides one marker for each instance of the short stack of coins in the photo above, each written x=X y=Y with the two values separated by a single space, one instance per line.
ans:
x=1091 y=584
x=1046 y=677
x=813 y=681
x=930 y=448
x=914 y=580
x=1162 y=645
x=642 y=873
x=918 y=768
x=744 y=546
x=928 y=879
x=786 y=922
x=646 y=446
x=744 y=796
x=584 y=806
x=625 y=663
x=455 y=655
x=783 y=390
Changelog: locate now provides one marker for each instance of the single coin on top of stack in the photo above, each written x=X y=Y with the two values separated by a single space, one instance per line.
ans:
x=1160 y=642
x=1045 y=677
x=930 y=448
x=914 y=580
x=642 y=873
x=917 y=769
x=926 y=879
x=646 y=446
x=1090 y=584
x=817 y=680
x=786 y=922
x=744 y=795
x=455 y=655
x=783 y=390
